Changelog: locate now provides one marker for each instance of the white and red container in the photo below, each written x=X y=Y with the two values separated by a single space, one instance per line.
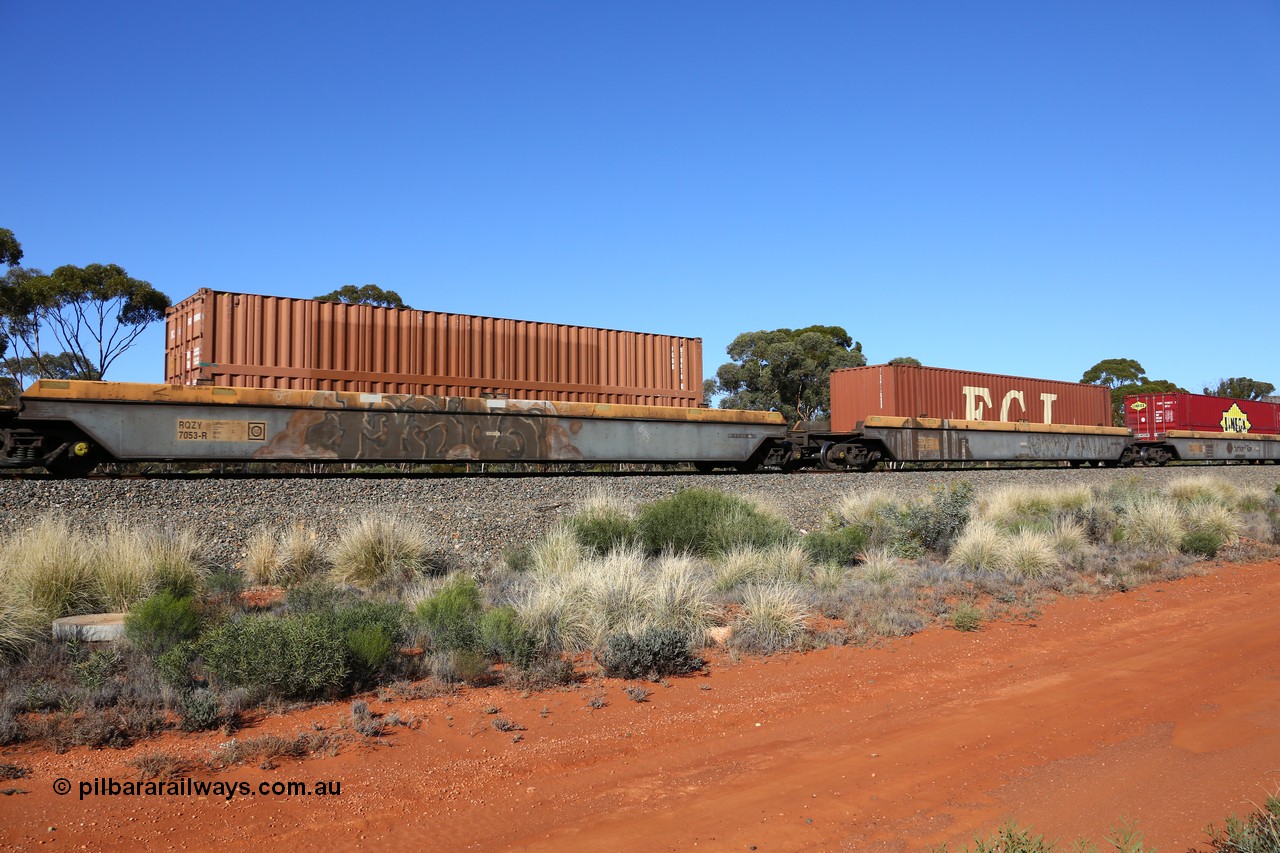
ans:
x=1152 y=416
x=908 y=391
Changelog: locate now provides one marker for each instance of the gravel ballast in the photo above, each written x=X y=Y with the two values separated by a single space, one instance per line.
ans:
x=482 y=518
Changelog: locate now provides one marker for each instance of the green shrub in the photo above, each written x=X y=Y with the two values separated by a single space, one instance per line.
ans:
x=1201 y=543
x=653 y=653
x=934 y=522
x=842 y=546
x=601 y=529
x=369 y=647
x=173 y=666
x=162 y=621
x=1257 y=833
x=201 y=710
x=966 y=617
x=502 y=635
x=96 y=669
x=518 y=559
x=451 y=616
x=316 y=596
x=223 y=585
x=1011 y=838
x=705 y=522
x=389 y=616
x=290 y=656
x=371 y=631
x=470 y=667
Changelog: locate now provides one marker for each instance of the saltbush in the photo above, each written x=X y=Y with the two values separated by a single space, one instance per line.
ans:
x=318 y=595
x=451 y=616
x=652 y=653
x=1259 y=832
x=842 y=546
x=502 y=636
x=602 y=529
x=173 y=666
x=290 y=656
x=1201 y=543
x=369 y=648
x=162 y=621
x=200 y=710
x=705 y=522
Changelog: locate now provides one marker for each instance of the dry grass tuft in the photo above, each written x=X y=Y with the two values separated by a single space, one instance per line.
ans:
x=380 y=552
x=981 y=546
x=772 y=617
x=1153 y=525
x=49 y=568
x=1030 y=554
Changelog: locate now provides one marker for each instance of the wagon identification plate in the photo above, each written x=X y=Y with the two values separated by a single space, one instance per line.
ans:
x=189 y=430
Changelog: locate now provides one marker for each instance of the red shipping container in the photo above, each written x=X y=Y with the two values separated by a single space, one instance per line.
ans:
x=1151 y=416
x=907 y=391
x=248 y=341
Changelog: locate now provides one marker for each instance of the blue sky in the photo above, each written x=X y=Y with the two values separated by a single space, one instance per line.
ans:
x=1021 y=188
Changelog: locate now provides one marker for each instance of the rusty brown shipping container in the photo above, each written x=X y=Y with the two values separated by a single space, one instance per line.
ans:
x=247 y=341
x=907 y=391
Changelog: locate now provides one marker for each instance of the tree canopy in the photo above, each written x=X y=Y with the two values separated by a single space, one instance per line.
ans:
x=906 y=359
x=97 y=312
x=786 y=370
x=1125 y=377
x=94 y=313
x=1241 y=388
x=369 y=294
x=10 y=248
x=1114 y=372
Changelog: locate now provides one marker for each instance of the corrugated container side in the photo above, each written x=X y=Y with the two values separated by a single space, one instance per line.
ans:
x=246 y=340
x=1151 y=416
x=903 y=390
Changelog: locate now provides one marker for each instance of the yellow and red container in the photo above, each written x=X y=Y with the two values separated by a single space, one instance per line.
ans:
x=1152 y=416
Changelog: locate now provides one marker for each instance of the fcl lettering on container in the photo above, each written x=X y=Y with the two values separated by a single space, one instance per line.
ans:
x=909 y=391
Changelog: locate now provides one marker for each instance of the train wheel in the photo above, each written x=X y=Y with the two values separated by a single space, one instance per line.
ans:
x=704 y=467
x=833 y=456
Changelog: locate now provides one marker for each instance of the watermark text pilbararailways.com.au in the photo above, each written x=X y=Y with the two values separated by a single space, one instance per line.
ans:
x=105 y=786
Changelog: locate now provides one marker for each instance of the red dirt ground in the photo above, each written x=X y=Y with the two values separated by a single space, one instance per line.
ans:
x=1161 y=706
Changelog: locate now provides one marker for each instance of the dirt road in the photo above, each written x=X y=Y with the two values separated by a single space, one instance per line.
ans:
x=1161 y=706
